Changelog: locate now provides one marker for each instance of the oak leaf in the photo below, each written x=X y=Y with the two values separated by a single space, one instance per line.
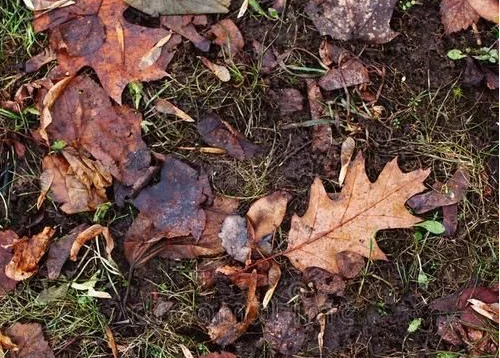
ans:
x=349 y=220
x=94 y=33
x=458 y=15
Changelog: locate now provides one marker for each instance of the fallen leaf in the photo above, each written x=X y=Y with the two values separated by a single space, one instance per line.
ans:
x=161 y=308
x=488 y=310
x=111 y=341
x=290 y=100
x=228 y=36
x=111 y=134
x=184 y=26
x=350 y=220
x=219 y=133
x=273 y=279
x=366 y=20
x=36 y=62
x=89 y=287
x=322 y=133
x=314 y=304
x=346 y=153
x=39 y=5
x=169 y=209
x=27 y=254
x=52 y=294
x=234 y=236
x=323 y=281
x=457 y=15
x=450 y=219
x=224 y=328
x=94 y=33
x=6 y=343
x=150 y=58
x=29 y=340
x=219 y=355
x=452 y=192
x=89 y=234
x=349 y=263
x=284 y=333
x=180 y=7
x=349 y=73
x=487 y=9
x=166 y=107
x=7 y=239
x=221 y=72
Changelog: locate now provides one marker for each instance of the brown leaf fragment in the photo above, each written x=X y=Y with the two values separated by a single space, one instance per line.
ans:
x=29 y=340
x=166 y=107
x=350 y=73
x=59 y=252
x=27 y=254
x=349 y=263
x=228 y=36
x=234 y=236
x=38 y=5
x=366 y=20
x=162 y=308
x=180 y=7
x=452 y=192
x=111 y=134
x=184 y=26
x=450 y=219
x=221 y=72
x=273 y=278
x=322 y=133
x=487 y=9
x=284 y=333
x=89 y=234
x=219 y=355
x=350 y=220
x=169 y=209
x=225 y=328
x=85 y=34
x=324 y=282
x=457 y=15
x=111 y=341
x=152 y=55
x=314 y=304
x=290 y=100
x=6 y=343
x=38 y=61
x=7 y=239
x=488 y=310
x=219 y=133
x=346 y=152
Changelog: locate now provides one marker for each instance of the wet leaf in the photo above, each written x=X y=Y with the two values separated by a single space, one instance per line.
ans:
x=350 y=73
x=290 y=100
x=89 y=234
x=228 y=36
x=273 y=279
x=94 y=33
x=36 y=62
x=225 y=328
x=27 y=254
x=219 y=133
x=324 y=281
x=166 y=107
x=29 y=340
x=284 y=333
x=7 y=239
x=234 y=238
x=184 y=26
x=169 y=209
x=322 y=133
x=219 y=355
x=350 y=220
x=221 y=72
x=366 y=20
x=180 y=7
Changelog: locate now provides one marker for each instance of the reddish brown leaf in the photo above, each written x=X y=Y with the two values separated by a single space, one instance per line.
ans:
x=228 y=36
x=284 y=333
x=36 y=62
x=350 y=73
x=183 y=25
x=219 y=355
x=457 y=15
x=94 y=33
x=290 y=100
x=487 y=9
x=6 y=343
x=89 y=234
x=322 y=133
x=219 y=133
x=349 y=263
x=324 y=281
x=7 y=239
x=224 y=328
x=29 y=340
x=366 y=20
x=27 y=254
x=350 y=221
x=169 y=209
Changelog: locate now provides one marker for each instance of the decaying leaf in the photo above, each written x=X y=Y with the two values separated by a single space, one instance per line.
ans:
x=458 y=15
x=221 y=72
x=94 y=33
x=350 y=220
x=39 y=5
x=27 y=254
x=219 y=133
x=228 y=36
x=29 y=340
x=36 y=62
x=346 y=152
x=284 y=333
x=349 y=73
x=225 y=328
x=111 y=341
x=185 y=26
x=169 y=209
x=273 y=278
x=180 y=7
x=89 y=234
x=219 y=355
x=324 y=281
x=366 y=20
x=322 y=133
x=488 y=310
x=290 y=100
x=234 y=236
x=7 y=239
x=166 y=107
x=6 y=343
x=150 y=58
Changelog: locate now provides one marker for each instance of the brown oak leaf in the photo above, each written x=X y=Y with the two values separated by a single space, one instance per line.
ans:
x=366 y=20
x=349 y=221
x=94 y=33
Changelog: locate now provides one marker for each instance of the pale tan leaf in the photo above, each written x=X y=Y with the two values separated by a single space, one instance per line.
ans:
x=180 y=7
x=346 y=153
x=221 y=72
x=154 y=54
x=489 y=311
x=166 y=107
x=274 y=276
x=487 y=9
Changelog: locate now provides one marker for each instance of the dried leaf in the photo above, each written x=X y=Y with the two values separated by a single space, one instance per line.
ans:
x=224 y=328
x=169 y=209
x=7 y=239
x=111 y=341
x=29 y=340
x=284 y=333
x=350 y=220
x=219 y=355
x=39 y=5
x=6 y=343
x=180 y=7
x=85 y=34
x=324 y=281
x=322 y=133
x=274 y=276
x=166 y=107
x=184 y=26
x=346 y=153
x=219 y=133
x=350 y=73
x=89 y=234
x=487 y=9
x=221 y=72
x=457 y=15
x=452 y=192
x=488 y=310
x=228 y=36
x=154 y=54
x=27 y=254
x=290 y=100
x=366 y=20
x=36 y=62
